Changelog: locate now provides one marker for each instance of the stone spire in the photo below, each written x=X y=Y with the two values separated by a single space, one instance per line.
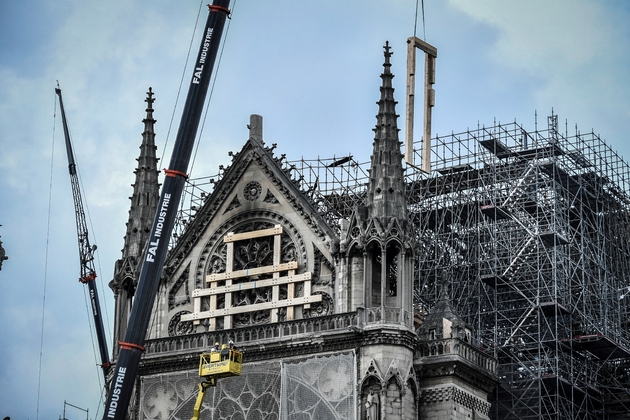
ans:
x=146 y=190
x=386 y=199
x=379 y=241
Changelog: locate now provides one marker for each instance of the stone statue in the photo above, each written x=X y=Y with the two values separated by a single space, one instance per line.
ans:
x=371 y=406
x=3 y=255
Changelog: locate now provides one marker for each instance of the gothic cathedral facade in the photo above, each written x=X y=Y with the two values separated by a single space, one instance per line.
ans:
x=323 y=313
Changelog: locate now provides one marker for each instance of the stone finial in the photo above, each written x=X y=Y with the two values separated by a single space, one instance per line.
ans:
x=255 y=127
x=149 y=100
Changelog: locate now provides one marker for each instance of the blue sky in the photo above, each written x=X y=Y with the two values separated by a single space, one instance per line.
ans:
x=311 y=69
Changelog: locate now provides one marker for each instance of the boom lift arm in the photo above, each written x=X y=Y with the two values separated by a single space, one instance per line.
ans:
x=86 y=251
x=133 y=345
x=212 y=366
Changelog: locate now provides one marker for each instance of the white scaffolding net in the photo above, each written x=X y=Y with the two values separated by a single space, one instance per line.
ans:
x=319 y=388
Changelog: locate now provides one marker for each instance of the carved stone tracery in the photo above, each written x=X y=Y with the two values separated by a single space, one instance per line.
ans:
x=178 y=327
x=179 y=293
x=323 y=308
x=252 y=191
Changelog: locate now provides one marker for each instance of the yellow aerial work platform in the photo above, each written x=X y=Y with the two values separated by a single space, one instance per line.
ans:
x=214 y=365
x=221 y=364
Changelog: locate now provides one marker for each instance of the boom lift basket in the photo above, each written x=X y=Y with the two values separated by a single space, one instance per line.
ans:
x=221 y=364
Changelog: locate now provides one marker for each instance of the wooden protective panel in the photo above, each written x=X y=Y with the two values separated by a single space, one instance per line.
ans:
x=230 y=285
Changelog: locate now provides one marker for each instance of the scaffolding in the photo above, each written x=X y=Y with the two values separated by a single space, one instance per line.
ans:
x=334 y=186
x=531 y=230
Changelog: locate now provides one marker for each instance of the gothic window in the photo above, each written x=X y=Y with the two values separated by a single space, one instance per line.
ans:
x=384 y=280
x=392 y=270
x=376 y=263
x=409 y=402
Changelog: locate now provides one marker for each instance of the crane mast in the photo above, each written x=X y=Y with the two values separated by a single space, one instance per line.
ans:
x=86 y=251
x=132 y=346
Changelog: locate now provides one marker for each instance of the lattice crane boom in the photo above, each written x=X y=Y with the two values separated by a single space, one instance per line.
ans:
x=86 y=250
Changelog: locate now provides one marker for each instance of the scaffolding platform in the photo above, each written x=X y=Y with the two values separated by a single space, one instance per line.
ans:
x=494 y=280
x=600 y=346
x=566 y=389
x=551 y=309
x=494 y=212
x=552 y=239
x=496 y=147
x=540 y=152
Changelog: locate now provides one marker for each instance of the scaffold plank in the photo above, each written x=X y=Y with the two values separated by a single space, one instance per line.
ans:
x=251 y=272
x=232 y=288
x=251 y=308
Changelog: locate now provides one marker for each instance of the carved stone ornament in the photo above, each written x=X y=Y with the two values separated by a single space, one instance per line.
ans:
x=252 y=190
x=325 y=307
x=270 y=198
x=178 y=327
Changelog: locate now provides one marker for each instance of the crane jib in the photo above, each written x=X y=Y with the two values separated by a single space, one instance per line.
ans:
x=148 y=281
x=86 y=258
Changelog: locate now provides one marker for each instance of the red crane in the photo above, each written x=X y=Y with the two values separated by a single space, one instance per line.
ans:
x=86 y=251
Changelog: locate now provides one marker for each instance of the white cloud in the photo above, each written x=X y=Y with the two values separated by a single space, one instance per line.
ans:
x=576 y=51
x=539 y=35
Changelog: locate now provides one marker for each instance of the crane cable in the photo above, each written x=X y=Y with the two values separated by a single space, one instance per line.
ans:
x=181 y=80
x=41 y=334
x=197 y=141
x=170 y=125
x=100 y=270
x=214 y=80
x=86 y=298
x=415 y=24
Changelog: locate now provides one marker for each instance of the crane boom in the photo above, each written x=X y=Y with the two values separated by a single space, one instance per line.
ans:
x=86 y=251
x=133 y=345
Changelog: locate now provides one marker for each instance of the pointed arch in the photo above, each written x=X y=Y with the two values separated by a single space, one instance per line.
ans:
x=372 y=370
x=393 y=398
x=393 y=372
x=370 y=392
x=410 y=400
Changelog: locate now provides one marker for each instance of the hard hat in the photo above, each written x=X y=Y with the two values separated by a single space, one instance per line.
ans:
x=216 y=344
